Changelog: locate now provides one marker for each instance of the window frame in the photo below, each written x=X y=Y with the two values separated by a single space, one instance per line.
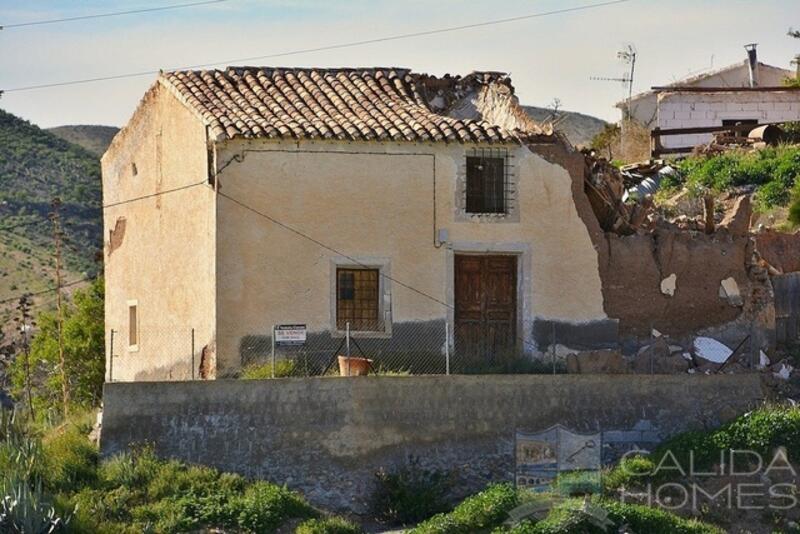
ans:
x=511 y=211
x=133 y=320
x=382 y=266
x=483 y=203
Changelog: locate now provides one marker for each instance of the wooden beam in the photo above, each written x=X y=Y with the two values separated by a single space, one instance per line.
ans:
x=659 y=132
x=687 y=89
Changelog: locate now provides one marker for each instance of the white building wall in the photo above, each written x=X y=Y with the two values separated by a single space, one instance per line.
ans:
x=691 y=110
x=643 y=105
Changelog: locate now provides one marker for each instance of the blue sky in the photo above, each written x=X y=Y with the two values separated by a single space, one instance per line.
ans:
x=548 y=57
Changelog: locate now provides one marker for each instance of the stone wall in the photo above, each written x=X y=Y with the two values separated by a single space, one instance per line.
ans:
x=326 y=437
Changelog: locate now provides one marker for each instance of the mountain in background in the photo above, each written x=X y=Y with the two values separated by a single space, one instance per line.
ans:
x=35 y=167
x=93 y=138
x=578 y=127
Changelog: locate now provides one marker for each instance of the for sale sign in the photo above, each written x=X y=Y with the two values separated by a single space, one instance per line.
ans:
x=290 y=334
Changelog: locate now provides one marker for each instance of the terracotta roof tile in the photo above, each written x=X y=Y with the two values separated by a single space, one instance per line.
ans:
x=387 y=104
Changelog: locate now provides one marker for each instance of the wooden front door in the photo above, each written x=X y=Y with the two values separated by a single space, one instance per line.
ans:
x=485 y=306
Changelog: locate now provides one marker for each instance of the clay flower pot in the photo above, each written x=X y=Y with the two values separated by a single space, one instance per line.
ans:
x=353 y=366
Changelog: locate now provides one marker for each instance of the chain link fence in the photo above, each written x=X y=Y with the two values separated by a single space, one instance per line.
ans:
x=423 y=348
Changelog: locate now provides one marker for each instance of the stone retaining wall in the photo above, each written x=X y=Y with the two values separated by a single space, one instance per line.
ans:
x=326 y=437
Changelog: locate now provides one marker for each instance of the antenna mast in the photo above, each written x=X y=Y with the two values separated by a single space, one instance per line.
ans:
x=628 y=56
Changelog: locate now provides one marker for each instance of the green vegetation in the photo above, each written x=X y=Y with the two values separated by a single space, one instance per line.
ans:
x=260 y=371
x=774 y=170
x=35 y=167
x=56 y=478
x=410 y=493
x=84 y=349
x=603 y=515
x=328 y=525
x=761 y=431
x=489 y=510
x=477 y=513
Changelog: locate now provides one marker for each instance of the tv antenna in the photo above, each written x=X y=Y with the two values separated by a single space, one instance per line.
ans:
x=628 y=56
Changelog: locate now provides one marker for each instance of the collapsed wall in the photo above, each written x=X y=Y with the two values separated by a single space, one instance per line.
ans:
x=660 y=276
x=780 y=250
x=681 y=283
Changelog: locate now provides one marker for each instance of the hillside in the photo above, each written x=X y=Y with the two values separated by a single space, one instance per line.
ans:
x=93 y=138
x=578 y=127
x=35 y=167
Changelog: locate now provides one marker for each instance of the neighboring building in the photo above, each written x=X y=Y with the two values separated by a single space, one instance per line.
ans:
x=697 y=108
x=749 y=92
x=644 y=106
x=391 y=201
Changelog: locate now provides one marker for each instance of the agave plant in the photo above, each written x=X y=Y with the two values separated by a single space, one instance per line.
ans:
x=25 y=510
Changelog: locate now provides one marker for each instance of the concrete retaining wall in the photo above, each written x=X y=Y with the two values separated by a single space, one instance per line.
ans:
x=326 y=437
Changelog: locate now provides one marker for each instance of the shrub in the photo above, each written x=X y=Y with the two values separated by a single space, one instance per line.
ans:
x=410 y=493
x=261 y=371
x=628 y=472
x=328 y=525
x=794 y=209
x=571 y=517
x=70 y=459
x=774 y=169
x=264 y=507
x=760 y=431
x=132 y=470
x=484 y=510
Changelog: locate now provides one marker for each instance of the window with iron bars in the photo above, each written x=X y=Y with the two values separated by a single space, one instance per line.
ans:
x=357 y=299
x=487 y=183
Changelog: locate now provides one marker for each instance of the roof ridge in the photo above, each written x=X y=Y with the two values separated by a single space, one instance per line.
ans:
x=346 y=103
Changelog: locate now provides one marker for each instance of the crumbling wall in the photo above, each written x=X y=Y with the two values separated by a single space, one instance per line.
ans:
x=680 y=282
x=658 y=274
x=487 y=96
x=780 y=250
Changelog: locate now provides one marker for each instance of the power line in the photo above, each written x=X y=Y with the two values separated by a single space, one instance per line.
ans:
x=151 y=195
x=323 y=48
x=348 y=257
x=112 y=14
x=18 y=225
x=45 y=291
x=319 y=243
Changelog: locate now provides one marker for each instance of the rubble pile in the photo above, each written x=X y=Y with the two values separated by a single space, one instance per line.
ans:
x=607 y=191
x=702 y=354
x=622 y=200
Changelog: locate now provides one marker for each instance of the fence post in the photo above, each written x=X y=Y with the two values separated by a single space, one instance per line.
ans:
x=273 y=351
x=192 y=353
x=553 y=340
x=111 y=358
x=447 y=347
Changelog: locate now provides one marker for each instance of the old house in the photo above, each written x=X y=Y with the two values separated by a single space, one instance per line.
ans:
x=424 y=215
x=377 y=199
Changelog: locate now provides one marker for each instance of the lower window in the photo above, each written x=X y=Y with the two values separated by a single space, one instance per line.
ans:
x=358 y=300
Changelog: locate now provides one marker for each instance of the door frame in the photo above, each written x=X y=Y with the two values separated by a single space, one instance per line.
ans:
x=524 y=283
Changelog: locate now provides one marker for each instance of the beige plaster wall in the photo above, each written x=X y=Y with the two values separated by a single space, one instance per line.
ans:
x=375 y=202
x=164 y=260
